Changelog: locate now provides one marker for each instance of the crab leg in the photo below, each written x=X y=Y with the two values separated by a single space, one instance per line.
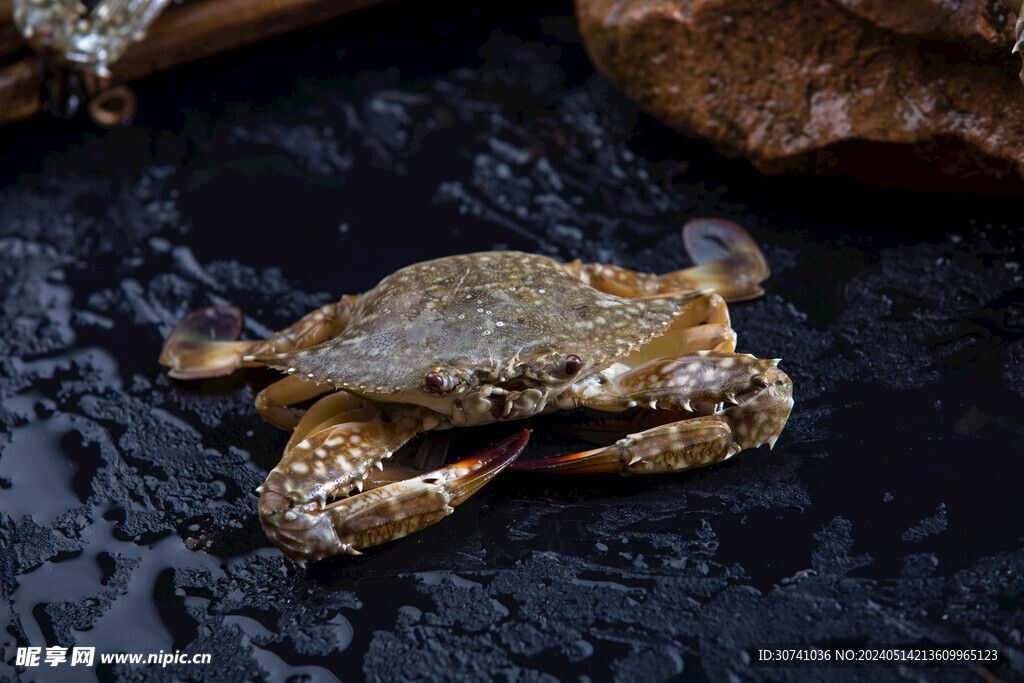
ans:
x=705 y=337
x=273 y=401
x=202 y=344
x=703 y=325
x=759 y=397
x=727 y=259
x=308 y=531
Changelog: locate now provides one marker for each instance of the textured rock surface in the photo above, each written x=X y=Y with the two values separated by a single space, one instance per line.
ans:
x=885 y=514
x=915 y=94
x=978 y=22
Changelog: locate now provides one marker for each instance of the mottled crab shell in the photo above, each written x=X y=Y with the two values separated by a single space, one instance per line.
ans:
x=476 y=311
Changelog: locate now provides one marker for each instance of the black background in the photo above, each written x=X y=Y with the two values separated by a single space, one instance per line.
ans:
x=889 y=512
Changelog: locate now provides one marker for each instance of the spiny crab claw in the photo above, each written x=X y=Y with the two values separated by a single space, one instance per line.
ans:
x=308 y=532
x=203 y=344
x=737 y=402
x=728 y=259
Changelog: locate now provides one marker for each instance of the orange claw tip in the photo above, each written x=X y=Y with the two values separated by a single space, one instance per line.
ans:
x=711 y=239
x=498 y=455
x=478 y=469
x=596 y=460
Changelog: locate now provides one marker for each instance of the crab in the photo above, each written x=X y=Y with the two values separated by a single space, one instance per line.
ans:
x=478 y=338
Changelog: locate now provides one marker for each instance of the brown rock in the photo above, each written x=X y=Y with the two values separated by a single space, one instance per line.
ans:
x=972 y=21
x=894 y=92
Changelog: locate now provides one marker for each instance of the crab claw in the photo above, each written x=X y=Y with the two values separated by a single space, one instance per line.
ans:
x=749 y=401
x=673 y=447
x=306 y=532
x=203 y=344
x=728 y=259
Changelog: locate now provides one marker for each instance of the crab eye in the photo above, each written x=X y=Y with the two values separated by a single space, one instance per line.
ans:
x=436 y=381
x=573 y=364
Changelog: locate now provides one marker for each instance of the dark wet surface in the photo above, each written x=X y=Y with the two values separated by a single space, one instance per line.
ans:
x=889 y=512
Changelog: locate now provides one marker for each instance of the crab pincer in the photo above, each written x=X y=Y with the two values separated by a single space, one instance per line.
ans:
x=727 y=402
x=308 y=531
